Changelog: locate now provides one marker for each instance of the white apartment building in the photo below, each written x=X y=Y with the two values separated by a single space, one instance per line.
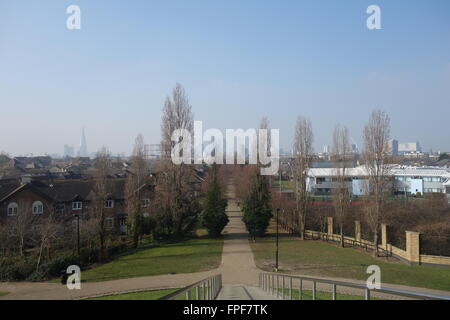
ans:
x=407 y=180
x=409 y=147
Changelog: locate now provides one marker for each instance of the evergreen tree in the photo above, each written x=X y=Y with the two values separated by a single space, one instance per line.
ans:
x=257 y=208
x=214 y=217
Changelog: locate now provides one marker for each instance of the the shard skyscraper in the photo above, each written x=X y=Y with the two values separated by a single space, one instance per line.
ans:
x=83 y=152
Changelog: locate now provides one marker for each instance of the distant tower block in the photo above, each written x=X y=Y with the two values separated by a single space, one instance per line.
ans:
x=83 y=152
x=155 y=151
x=146 y=151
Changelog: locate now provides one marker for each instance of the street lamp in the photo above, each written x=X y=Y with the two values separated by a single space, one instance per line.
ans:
x=276 y=254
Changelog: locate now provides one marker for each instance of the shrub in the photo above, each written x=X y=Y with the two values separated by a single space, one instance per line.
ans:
x=214 y=217
x=16 y=269
x=257 y=207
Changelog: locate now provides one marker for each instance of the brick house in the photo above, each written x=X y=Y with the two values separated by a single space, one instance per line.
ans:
x=67 y=199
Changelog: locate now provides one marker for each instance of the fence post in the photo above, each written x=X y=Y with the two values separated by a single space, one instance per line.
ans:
x=334 y=291
x=413 y=247
x=278 y=285
x=210 y=289
x=314 y=291
x=300 y=290
x=367 y=294
x=330 y=227
x=357 y=232
x=384 y=236
x=290 y=288
x=282 y=287
x=273 y=284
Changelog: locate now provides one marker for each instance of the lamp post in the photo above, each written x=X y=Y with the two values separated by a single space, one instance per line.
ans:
x=276 y=253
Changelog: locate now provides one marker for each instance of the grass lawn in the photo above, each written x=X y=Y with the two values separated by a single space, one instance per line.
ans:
x=324 y=259
x=181 y=257
x=2 y=293
x=141 y=295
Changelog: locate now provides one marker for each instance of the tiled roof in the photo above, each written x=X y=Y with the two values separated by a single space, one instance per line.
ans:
x=8 y=186
x=68 y=190
x=64 y=190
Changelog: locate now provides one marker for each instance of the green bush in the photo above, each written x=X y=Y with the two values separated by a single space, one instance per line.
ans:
x=16 y=269
x=257 y=207
x=52 y=268
x=214 y=217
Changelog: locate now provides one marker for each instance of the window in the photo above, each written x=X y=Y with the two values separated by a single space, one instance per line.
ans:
x=60 y=208
x=109 y=204
x=145 y=203
x=13 y=207
x=77 y=205
x=38 y=207
x=109 y=223
x=436 y=179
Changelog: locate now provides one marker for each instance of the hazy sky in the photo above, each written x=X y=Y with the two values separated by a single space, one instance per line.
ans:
x=238 y=60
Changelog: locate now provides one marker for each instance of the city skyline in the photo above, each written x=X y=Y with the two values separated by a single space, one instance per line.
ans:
x=238 y=62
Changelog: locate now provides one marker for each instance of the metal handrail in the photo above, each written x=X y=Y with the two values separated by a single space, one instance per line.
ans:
x=206 y=289
x=270 y=282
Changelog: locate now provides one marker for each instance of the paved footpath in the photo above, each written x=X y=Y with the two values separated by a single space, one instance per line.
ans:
x=238 y=266
x=56 y=291
x=239 y=271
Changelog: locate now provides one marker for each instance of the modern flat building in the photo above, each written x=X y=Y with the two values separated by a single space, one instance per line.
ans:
x=409 y=147
x=405 y=180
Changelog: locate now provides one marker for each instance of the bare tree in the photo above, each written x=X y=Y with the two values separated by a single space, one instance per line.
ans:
x=135 y=180
x=20 y=226
x=100 y=192
x=175 y=194
x=46 y=231
x=341 y=194
x=376 y=156
x=177 y=114
x=303 y=151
